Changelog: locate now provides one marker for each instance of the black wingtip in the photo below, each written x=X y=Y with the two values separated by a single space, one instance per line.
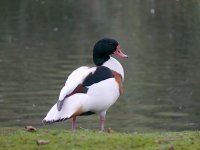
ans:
x=59 y=104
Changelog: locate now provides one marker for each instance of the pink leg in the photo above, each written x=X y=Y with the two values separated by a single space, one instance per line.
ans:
x=102 y=122
x=74 y=123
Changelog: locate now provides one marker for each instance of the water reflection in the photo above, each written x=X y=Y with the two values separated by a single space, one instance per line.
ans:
x=43 y=41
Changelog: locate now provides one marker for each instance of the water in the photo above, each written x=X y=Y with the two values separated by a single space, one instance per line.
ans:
x=41 y=42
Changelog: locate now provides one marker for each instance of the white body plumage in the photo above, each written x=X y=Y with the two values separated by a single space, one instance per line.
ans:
x=98 y=99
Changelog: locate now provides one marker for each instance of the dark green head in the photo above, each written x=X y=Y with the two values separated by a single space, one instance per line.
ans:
x=102 y=49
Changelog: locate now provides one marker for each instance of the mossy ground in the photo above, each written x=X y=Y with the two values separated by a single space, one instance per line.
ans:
x=60 y=139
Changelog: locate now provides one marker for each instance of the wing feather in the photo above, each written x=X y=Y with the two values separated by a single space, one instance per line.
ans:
x=75 y=78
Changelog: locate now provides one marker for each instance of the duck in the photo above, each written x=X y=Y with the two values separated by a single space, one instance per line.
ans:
x=91 y=90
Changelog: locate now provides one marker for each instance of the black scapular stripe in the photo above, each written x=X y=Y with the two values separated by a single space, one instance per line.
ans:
x=101 y=73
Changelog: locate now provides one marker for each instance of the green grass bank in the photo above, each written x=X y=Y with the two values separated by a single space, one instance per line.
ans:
x=81 y=139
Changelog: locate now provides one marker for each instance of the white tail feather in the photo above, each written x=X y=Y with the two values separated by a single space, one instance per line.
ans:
x=70 y=106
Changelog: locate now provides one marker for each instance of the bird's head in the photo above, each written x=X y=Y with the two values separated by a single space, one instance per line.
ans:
x=104 y=48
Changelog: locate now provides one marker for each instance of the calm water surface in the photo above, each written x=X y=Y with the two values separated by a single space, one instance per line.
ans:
x=42 y=41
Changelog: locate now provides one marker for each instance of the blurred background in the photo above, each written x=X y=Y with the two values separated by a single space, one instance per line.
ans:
x=42 y=41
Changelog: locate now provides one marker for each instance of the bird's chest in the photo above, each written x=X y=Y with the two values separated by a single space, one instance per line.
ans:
x=118 y=79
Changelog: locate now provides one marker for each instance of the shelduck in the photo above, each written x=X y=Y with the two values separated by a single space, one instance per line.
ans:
x=91 y=90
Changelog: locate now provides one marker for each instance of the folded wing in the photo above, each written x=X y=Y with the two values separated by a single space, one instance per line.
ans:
x=73 y=82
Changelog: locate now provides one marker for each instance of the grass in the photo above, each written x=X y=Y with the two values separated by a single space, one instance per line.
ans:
x=60 y=139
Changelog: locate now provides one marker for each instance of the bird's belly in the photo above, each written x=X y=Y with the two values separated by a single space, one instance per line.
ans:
x=103 y=95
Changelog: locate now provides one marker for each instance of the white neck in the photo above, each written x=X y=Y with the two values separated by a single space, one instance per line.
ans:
x=114 y=65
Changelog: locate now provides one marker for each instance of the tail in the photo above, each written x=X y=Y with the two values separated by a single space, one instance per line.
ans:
x=54 y=115
x=73 y=105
